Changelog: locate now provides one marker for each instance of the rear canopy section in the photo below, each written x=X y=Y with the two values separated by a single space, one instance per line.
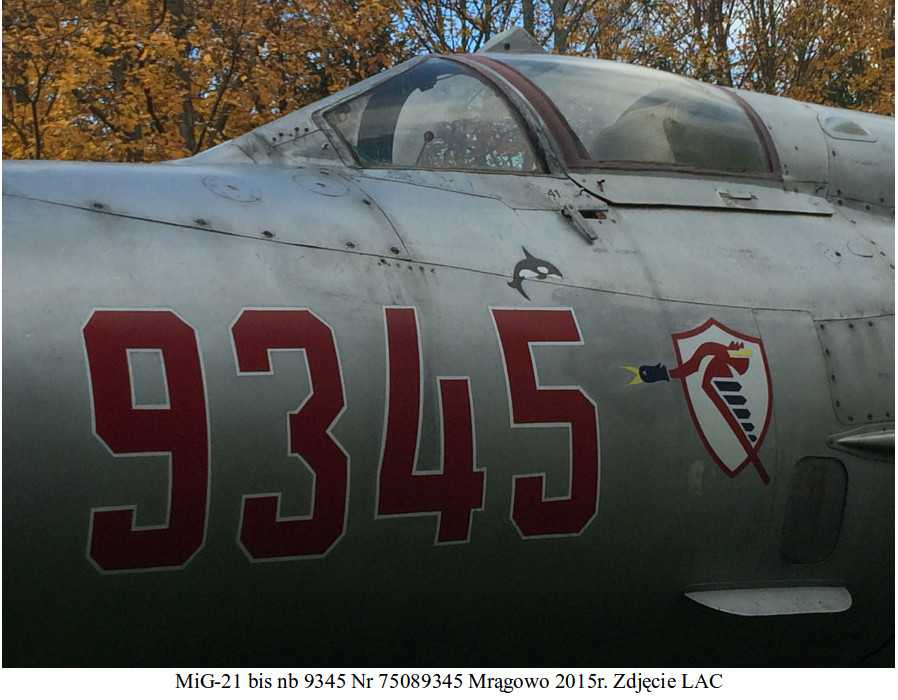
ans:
x=622 y=114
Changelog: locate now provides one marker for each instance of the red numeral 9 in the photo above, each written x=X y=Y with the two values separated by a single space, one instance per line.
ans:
x=532 y=404
x=179 y=430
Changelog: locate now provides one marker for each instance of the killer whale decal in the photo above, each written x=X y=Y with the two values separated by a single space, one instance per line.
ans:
x=532 y=268
x=726 y=381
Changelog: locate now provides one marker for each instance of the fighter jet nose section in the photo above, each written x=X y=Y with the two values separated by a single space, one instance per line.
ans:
x=559 y=338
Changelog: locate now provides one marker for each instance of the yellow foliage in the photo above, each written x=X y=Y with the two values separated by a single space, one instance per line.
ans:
x=144 y=80
x=153 y=80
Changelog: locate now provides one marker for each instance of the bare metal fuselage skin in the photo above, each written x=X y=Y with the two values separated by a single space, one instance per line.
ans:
x=368 y=265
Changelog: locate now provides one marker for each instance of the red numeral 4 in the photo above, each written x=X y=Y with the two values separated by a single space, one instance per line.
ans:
x=457 y=489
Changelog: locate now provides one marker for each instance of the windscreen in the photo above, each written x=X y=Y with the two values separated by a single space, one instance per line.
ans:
x=436 y=115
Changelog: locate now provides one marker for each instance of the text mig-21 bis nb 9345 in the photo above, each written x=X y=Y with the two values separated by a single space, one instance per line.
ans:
x=499 y=359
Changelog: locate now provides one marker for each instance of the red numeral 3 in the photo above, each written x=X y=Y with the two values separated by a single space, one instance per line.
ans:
x=263 y=534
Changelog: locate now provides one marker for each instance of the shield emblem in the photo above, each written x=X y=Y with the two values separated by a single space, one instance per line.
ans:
x=727 y=384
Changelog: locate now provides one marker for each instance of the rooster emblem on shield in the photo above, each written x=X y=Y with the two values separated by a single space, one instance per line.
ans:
x=726 y=381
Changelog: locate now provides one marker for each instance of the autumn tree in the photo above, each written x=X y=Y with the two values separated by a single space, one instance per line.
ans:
x=831 y=51
x=583 y=27
x=445 y=26
x=839 y=52
x=36 y=53
x=158 y=79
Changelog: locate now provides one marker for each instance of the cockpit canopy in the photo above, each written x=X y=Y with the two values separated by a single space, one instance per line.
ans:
x=443 y=114
x=527 y=113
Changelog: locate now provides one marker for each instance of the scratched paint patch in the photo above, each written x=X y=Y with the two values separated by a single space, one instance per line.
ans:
x=726 y=381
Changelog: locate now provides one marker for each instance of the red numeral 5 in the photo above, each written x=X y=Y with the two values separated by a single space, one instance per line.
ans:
x=532 y=404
